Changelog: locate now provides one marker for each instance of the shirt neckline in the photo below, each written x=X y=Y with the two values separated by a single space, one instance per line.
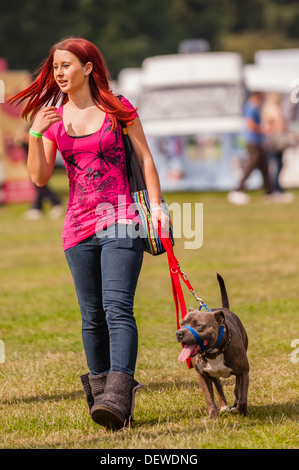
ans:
x=81 y=137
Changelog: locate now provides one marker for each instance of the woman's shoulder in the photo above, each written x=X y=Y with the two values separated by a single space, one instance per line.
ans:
x=125 y=101
x=128 y=105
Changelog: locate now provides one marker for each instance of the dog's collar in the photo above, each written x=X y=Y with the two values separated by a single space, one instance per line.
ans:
x=222 y=350
x=209 y=353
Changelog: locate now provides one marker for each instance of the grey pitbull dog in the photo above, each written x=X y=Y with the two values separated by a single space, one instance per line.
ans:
x=217 y=342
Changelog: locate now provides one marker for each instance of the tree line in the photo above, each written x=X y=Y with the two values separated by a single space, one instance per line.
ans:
x=128 y=31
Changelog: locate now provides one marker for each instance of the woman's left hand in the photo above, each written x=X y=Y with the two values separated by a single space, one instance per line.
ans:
x=159 y=216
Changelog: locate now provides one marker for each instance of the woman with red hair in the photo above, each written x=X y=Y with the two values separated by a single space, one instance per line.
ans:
x=103 y=254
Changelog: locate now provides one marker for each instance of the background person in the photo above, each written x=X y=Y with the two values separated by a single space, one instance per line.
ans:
x=42 y=193
x=86 y=129
x=257 y=157
x=278 y=138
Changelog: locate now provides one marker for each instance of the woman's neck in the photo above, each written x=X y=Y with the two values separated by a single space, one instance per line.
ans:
x=81 y=99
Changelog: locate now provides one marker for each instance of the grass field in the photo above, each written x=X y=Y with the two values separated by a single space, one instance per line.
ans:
x=255 y=248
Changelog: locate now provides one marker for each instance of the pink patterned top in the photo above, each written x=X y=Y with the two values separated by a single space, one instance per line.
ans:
x=99 y=192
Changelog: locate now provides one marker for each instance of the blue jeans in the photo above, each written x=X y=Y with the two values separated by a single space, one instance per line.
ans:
x=105 y=269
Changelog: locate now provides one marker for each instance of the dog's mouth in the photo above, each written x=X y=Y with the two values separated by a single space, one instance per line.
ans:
x=190 y=350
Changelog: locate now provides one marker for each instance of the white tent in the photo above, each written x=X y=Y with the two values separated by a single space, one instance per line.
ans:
x=191 y=110
x=129 y=84
x=272 y=77
x=277 y=57
x=184 y=94
x=191 y=107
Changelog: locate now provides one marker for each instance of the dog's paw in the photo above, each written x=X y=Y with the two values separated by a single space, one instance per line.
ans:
x=225 y=409
x=240 y=410
x=213 y=413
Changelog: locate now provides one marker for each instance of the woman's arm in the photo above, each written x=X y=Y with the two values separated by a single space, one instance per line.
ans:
x=149 y=171
x=42 y=151
x=146 y=162
x=41 y=159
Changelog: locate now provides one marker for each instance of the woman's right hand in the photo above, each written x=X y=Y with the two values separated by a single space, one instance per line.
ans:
x=45 y=118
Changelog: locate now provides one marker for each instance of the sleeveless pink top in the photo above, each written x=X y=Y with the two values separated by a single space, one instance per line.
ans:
x=99 y=192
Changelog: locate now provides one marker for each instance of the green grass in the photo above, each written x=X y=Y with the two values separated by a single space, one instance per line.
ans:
x=255 y=248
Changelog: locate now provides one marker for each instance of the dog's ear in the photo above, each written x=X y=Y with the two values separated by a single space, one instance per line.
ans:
x=219 y=316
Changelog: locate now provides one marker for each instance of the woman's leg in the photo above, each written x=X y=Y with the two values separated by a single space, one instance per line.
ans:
x=251 y=164
x=264 y=168
x=121 y=261
x=84 y=261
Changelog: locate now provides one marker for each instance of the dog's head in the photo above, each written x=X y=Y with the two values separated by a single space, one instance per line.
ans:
x=206 y=325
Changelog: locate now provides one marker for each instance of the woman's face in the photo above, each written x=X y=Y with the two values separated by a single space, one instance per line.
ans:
x=69 y=73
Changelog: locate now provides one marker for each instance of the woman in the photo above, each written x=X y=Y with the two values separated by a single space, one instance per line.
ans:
x=103 y=255
x=278 y=139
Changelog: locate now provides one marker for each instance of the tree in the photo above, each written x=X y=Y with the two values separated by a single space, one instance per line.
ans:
x=128 y=32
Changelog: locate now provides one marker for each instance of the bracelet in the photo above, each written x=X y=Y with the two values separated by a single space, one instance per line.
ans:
x=35 y=134
x=157 y=208
x=160 y=207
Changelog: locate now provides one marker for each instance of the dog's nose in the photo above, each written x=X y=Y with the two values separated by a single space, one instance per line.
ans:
x=179 y=335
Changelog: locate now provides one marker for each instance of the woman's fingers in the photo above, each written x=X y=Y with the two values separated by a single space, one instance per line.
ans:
x=160 y=216
x=44 y=118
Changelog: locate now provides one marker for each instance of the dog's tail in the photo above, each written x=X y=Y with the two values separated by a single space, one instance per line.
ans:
x=224 y=296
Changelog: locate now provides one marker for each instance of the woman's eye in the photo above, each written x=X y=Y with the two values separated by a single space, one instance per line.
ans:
x=56 y=67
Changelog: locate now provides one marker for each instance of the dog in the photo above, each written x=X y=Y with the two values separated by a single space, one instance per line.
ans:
x=216 y=342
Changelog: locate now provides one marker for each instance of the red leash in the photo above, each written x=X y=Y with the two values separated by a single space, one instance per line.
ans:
x=175 y=275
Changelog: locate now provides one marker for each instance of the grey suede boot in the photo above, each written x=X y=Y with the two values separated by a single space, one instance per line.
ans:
x=101 y=382
x=114 y=408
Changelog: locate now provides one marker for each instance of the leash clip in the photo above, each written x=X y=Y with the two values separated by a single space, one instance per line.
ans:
x=198 y=298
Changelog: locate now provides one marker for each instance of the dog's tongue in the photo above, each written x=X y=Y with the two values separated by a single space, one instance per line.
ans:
x=186 y=352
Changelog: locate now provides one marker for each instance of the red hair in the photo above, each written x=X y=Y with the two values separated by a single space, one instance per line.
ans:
x=44 y=90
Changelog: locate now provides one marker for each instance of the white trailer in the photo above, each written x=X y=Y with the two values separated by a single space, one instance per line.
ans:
x=191 y=106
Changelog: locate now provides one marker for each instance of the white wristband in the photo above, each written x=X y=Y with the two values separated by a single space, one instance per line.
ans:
x=157 y=208
x=160 y=207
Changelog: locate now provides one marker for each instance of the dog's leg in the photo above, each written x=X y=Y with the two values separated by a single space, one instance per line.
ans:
x=234 y=407
x=241 y=390
x=220 y=393
x=207 y=388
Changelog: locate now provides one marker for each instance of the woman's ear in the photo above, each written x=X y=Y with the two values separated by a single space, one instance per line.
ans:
x=88 y=68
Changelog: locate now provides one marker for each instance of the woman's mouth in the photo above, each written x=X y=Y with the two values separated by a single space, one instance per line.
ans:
x=62 y=83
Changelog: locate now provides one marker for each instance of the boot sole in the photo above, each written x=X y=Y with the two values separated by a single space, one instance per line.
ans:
x=106 y=417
